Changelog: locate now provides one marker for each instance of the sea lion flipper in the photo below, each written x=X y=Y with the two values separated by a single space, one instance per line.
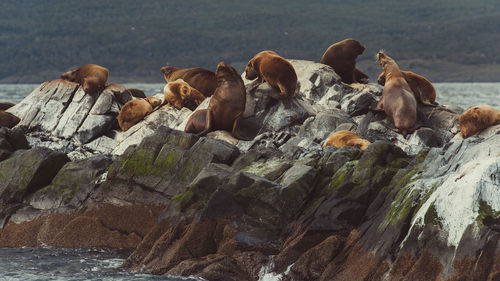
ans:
x=208 y=125
x=236 y=130
x=380 y=105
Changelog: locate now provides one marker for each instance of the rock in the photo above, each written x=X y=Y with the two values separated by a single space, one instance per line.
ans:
x=72 y=184
x=358 y=103
x=322 y=125
x=281 y=206
x=27 y=171
x=164 y=116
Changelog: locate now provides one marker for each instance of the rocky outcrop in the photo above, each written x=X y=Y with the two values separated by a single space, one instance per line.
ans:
x=423 y=207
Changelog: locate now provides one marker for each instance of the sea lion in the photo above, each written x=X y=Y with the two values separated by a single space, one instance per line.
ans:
x=422 y=88
x=397 y=101
x=135 y=110
x=227 y=104
x=8 y=120
x=199 y=78
x=91 y=77
x=476 y=119
x=179 y=94
x=196 y=122
x=268 y=66
x=136 y=93
x=341 y=56
x=6 y=105
x=346 y=138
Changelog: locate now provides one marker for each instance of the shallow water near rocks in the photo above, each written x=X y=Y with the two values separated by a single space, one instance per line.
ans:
x=30 y=264
x=461 y=94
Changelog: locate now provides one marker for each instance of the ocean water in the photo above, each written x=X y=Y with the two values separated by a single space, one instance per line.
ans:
x=43 y=264
x=464 y=95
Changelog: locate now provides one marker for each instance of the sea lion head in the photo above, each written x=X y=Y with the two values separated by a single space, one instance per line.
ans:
x=384 y=59
x=225 y=72
x=167 y=70
x=250 y=72
x=92 y=85
x=355 y=46
x=153 y=101
x=69 y=75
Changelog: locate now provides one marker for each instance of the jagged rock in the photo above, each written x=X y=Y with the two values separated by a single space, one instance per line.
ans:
x=322 y=125
x=164 y=116
x=361 y=102
x=26 y=171
x=424 y=206
x=72 y=184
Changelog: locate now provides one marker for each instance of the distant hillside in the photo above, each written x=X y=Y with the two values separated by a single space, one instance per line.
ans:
x=444 y=40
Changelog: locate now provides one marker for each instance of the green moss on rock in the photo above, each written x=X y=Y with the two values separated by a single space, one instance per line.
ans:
x=183 y=198
x=431 y=216
x=486 y=212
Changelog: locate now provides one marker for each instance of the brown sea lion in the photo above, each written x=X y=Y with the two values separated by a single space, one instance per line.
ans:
x=421 y=87
x=6 y=105
x=397 y=101
x=227 y=104
x=199 y=78
x=179 y=94
x=136 y=93
x=196 y=122
x=8 y=120
x=91 y=77
x=135 y=110
x=346 y=138
x=341 y=56
x=268 y=66
x=476 y=119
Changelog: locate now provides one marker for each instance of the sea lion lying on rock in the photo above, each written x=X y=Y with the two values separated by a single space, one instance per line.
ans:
x=397 y=101
x=422 y=88
x=199 y=78
x=180 y=94
x=346 y=138
x=226 y=106
x=268 y=66
x=6 y=105
x=8 y=120
x=91 y=77
x=341 y=56
x=135 y=110
x=476 y=119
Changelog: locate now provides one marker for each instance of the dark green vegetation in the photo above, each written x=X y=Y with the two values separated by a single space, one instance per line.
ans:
x=443 y=40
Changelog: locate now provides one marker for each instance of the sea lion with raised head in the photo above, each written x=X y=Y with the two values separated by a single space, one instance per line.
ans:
x=341 y=56
x=227 y=104
x=91 y=77
x=268 y=66
x=397 y=101
x=180 y=94
x=422 y=89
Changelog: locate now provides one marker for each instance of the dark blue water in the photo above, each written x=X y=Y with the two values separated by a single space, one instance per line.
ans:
x=464 y=95
x=41 y=264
